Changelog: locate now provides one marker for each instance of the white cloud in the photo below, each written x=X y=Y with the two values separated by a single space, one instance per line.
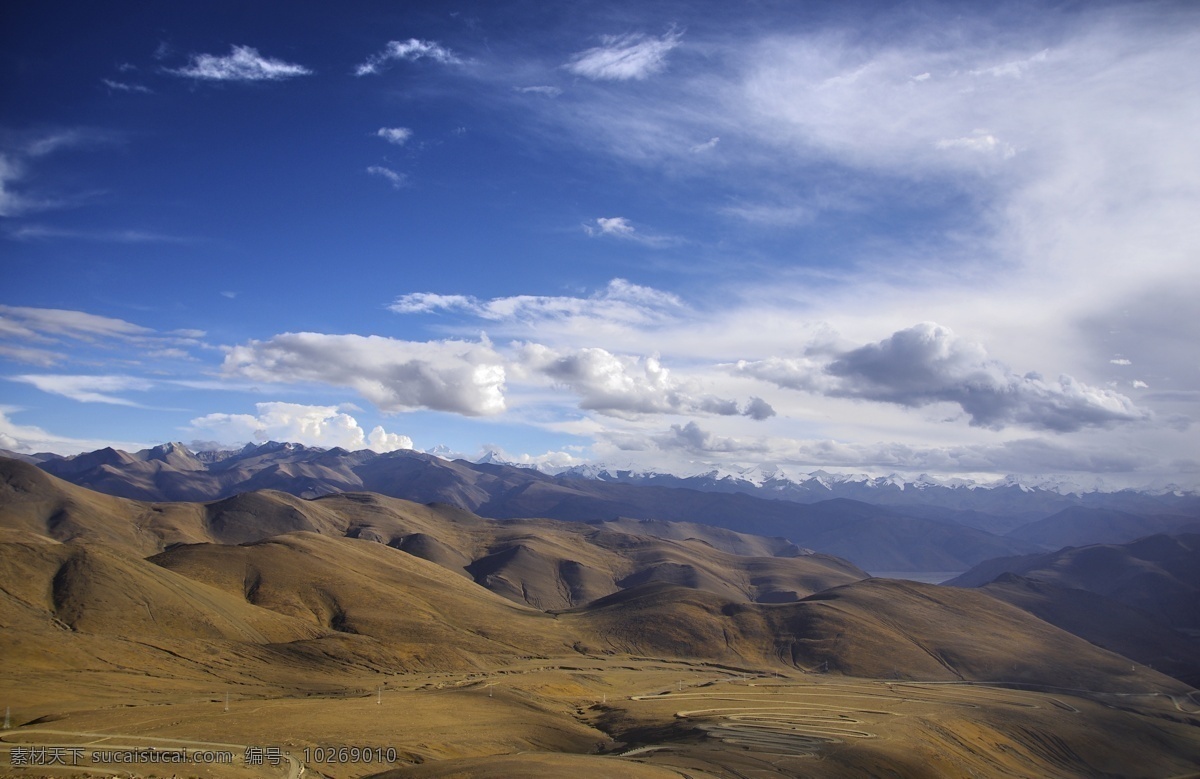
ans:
x=979 y=141
x=614 y=225
x=87 y=389
x=397 y=180
x=29 y=439
x=121 y=86
x=1033 y=457
x=20 y=152
x=454 y=376
x=424 y=302
x=243 y=63
x=1015 y=67
x=545 y=91
x=708 y=145
x=620 y=227
x=396 y=135
x=928 y=364
x=410 y=51
x=772 y=214
x=324 y=426
x=38 y=323
x=11 y=203
x=1120 y=361
x=618 y=384
x=36 y=232
x=624 y=57
x=550 y=461
x=620 y=306
x=40 y=357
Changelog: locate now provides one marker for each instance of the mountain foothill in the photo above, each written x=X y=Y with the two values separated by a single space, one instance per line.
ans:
x=566 y=618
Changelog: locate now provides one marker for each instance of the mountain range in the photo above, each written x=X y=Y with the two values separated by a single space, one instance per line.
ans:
x=129 y=616
x=880 y=525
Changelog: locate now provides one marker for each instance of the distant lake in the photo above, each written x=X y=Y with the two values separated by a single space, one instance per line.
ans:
x=926 y=577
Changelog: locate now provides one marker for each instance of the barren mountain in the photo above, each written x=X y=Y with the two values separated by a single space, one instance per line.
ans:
x=1160 y=575
x=357 y=618
x=873 y=537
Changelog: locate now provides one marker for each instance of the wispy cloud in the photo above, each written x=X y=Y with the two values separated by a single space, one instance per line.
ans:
x=545 y=91
x=1022 y=456
x=622 y=228
x=38 y=323
x=624 y=57
x=620 y=304
x=21 y=155
x=122 y=86
x=44 y=232
x=410 y=50
x=88 y=389
x=397 y=180
x=243 y=63
x=43 y=358
x=30 y=439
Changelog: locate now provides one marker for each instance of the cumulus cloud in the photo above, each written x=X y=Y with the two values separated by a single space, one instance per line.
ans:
x=426 y=302
x=324 y=426
x=396 y=135
x=758 y=409
x=929 y=364
x=243 y=63
x=409 y=51
x=691 y=438
x=87 y=389
x=455 y=376
x=615 y=225
x=551 y=462
x=620 y=385
x=397 y=180
x=624 y=57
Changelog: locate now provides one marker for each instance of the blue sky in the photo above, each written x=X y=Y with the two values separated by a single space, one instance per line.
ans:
x=877 y=237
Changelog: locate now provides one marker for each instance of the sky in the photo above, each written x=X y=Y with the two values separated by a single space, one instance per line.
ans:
x=864 y=237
